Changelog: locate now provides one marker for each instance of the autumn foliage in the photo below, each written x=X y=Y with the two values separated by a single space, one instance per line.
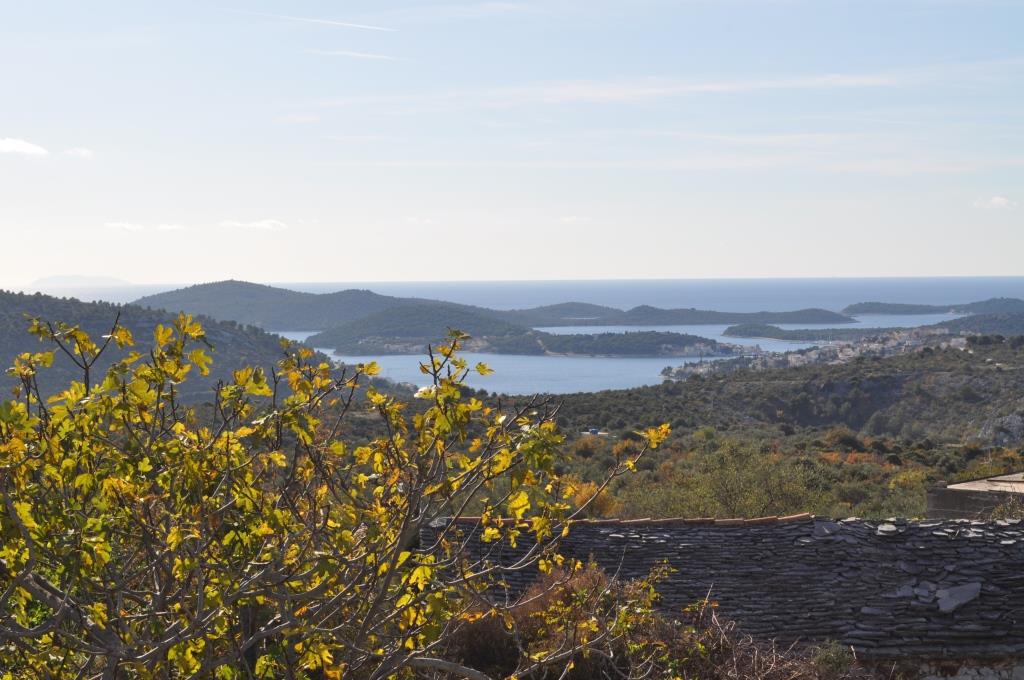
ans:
x=251 y=538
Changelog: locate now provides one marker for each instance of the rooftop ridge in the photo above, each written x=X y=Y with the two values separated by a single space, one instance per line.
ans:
x=652 y=521
x=744 y=521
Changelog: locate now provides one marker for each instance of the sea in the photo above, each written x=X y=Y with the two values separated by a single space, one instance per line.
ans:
x=561 y=375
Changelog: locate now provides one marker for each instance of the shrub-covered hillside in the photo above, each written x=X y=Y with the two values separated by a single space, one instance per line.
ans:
x=233 y=345
x=951 y=395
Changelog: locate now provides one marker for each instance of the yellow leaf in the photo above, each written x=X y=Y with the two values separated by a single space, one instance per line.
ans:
x=174 y=538
x=656 y=435
x=162 y=335
x=24 y=511
x=200 y=359
x=420 y=576
x=518 y=504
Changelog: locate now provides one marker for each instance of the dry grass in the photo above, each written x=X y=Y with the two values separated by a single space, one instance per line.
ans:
x=697 y=645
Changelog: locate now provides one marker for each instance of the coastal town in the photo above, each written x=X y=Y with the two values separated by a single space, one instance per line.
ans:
x=889 y=343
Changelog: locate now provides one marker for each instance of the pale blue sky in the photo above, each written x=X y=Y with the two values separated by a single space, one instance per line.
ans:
x=396 y=140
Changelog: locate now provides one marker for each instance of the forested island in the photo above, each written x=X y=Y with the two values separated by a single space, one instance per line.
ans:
x=801 y=334
x=409 y=329
x=990 y=306
x=985 y=324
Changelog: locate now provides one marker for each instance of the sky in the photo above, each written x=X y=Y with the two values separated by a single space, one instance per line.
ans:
x=393 y=140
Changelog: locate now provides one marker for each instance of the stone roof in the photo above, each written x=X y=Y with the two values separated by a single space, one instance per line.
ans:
x=890 y=589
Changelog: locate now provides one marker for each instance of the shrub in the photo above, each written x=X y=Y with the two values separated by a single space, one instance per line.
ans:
x=143 y=539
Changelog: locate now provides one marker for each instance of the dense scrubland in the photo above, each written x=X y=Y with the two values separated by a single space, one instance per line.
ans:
x=865 y=438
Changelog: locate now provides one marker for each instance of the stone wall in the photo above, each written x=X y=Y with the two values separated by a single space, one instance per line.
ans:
x=890 y=590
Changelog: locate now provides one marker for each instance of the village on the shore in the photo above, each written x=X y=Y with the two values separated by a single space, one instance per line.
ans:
x=889 y=343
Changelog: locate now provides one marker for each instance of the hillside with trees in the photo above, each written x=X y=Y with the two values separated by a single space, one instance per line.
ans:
x=410 y=329
x=231 y=344
x=655 y=316
x=269 y=307
x=755 y=330
x=943 y=394
x=990 y=306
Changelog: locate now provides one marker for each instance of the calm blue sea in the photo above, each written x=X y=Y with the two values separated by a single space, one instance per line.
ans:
x=560 y=375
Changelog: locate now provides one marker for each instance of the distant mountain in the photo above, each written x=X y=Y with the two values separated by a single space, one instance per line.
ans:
x=990 y=306
x=287 y=310
x=234 y=345
x=269 y=307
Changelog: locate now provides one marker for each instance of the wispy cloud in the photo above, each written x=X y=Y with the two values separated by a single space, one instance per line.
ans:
x=607 y=92
x=300 y=118
x=353 y=55
x=136 y=227
x=638 y=90
x=358 y=139
x=471 y=10
x=766 y=139
x=257 y=225
x=125 y=226
x=895 y=165
x=80 y=152
x=996 y=203
x=20 y=146
x=417 y=221
x=317 y=20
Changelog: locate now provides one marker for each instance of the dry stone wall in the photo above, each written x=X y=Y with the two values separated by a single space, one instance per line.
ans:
x=894 y=589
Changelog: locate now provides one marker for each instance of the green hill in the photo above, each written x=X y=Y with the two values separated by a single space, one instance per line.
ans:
x=563 y=314
x=756 y=330
x=270 y=307
x=990 y=306
x=234 y=345
x=987 y=324
x=654 y=316
x=946 y=395
x=410 y=328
